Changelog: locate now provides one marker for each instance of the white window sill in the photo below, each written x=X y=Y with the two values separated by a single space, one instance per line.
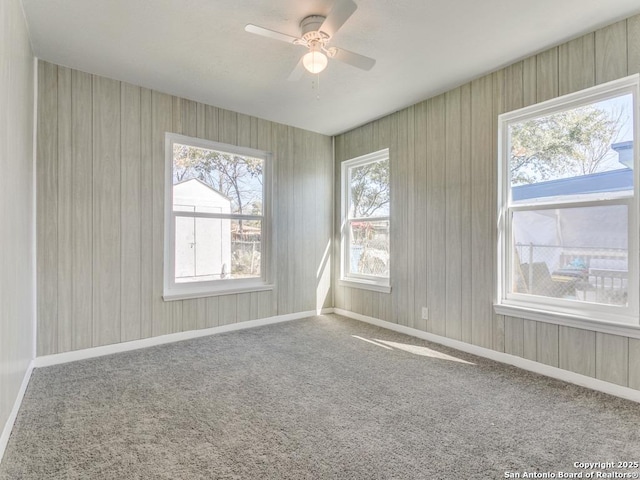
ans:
x=186 y=294
x=617 y=326
x=364 y=285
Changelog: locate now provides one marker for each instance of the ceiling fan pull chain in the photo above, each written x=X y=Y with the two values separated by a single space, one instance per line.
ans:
x=315 y=85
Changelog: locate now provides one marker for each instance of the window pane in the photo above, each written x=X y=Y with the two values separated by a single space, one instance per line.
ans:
x=369 y=190
x=586 y=150
x=579 y=254
x=216 y=182
x=214 y=249
x=369 y=248
x=246 y=237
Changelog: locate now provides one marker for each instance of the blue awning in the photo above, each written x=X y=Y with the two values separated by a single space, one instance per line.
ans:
x=611 y=181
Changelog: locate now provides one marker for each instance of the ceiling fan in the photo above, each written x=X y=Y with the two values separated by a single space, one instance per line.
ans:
x=317 y=32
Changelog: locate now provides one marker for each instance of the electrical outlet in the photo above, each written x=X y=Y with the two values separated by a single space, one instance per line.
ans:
x=425 y=313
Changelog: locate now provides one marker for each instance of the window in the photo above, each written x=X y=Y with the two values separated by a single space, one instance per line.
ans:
x=365 y=221
x=217 y=218
x=568 y=207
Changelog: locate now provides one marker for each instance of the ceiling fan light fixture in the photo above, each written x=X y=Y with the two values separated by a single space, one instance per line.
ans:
x=315 y=61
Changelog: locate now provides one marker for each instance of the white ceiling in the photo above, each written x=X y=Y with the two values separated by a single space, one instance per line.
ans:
x=198 y=49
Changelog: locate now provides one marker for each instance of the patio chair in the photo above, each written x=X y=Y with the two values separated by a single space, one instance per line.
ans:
x=538 y=281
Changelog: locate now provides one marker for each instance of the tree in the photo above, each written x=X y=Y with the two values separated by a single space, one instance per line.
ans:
x=569 y=143
x=369 y=188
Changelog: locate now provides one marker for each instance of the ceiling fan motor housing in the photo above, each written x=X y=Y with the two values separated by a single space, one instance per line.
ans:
x=310 y=27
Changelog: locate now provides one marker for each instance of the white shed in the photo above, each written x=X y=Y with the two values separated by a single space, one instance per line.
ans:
x=203 y=245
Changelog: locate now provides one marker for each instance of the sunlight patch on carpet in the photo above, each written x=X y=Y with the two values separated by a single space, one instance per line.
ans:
x=423 y=351
x=371 y=341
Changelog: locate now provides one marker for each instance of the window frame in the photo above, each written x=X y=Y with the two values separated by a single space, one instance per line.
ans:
x=582 y=314
x=367 y=282
x=179 y=291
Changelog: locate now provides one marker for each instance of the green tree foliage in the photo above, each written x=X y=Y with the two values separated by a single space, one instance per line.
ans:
x=370 y=189
x=564 y=144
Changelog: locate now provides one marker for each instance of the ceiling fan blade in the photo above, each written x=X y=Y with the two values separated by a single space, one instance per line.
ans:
x=265 y=32
x=354 y=59
x=297 y=72
x=340 y=13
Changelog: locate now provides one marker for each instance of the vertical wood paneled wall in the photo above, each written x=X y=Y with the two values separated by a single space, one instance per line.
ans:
x=17 y=262
x=444 y=170
x=100 y=183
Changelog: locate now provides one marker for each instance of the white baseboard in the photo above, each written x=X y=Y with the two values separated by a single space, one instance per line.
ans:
x=8 y=426
x=554 y=372
x=48 y=360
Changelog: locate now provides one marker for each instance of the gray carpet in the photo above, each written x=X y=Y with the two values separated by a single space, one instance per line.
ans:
x=308 y=400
